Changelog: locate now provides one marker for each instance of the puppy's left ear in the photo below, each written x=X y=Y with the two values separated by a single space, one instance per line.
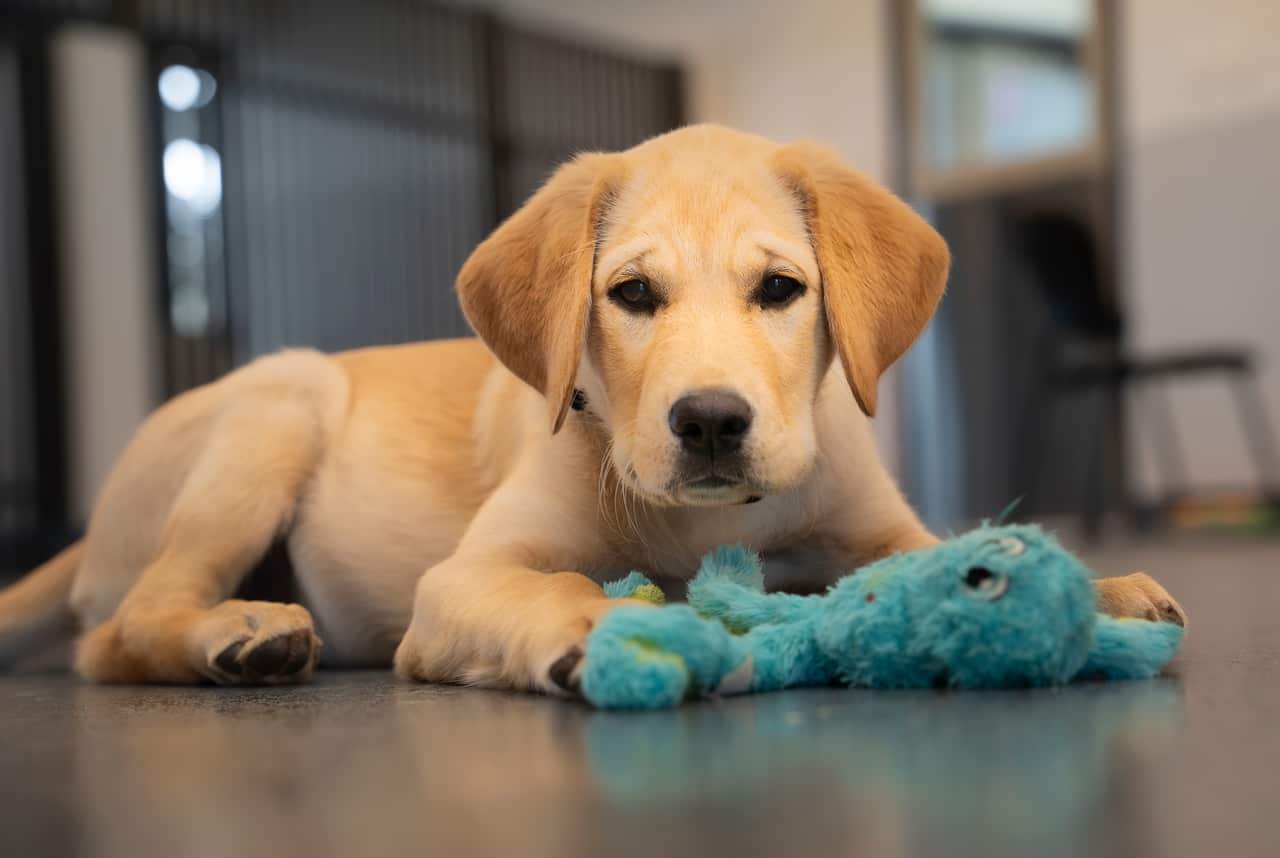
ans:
x=883 y=267
x=526 y=290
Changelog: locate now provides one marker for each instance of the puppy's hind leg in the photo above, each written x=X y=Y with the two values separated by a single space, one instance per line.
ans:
x=241 y=492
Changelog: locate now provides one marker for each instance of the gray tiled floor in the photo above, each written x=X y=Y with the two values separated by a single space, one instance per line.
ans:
x=358 y=764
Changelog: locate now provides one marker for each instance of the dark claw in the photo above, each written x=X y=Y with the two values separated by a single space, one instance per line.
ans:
x=561 y=671
x=1170 y=614
x=227 y=659
x=299 y=653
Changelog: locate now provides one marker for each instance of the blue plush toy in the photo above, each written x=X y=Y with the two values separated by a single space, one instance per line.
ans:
x=997 y=607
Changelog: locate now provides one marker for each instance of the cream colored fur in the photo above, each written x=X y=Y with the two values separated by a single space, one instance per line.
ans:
x=443 y=507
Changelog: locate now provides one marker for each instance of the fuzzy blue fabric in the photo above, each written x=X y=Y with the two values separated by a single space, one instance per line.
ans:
x=997 y=607
x=626 y=587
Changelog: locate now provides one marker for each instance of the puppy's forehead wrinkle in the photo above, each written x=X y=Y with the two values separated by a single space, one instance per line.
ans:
x=705 y=222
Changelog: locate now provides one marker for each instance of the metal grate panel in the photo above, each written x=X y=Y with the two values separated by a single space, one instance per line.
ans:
x=368 y=147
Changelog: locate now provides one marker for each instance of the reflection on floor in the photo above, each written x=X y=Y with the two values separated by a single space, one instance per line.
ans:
x=360 y=764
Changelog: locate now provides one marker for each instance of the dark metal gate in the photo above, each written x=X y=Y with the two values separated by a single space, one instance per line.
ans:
x=366 y=148
x=322 y=169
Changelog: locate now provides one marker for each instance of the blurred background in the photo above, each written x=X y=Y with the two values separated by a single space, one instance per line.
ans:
x=188 y=184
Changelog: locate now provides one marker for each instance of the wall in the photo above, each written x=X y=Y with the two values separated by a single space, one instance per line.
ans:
x=109 y=283
x=1201 y=89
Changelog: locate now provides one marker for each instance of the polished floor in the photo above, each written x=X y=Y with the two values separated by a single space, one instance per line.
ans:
x=358 y=764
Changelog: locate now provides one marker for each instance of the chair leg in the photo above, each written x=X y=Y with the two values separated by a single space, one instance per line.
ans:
x=1033 y=443
x=1259 y=433
x=1095 y=489
x=1168 y=449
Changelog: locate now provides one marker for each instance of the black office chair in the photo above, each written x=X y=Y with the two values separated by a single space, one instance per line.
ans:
x=1082 y=350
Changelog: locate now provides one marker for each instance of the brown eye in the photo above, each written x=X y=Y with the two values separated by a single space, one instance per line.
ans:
x=778 y=289
x=634 y=295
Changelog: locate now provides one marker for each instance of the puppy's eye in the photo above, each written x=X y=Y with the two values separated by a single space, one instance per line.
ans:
x=985 y=583
x=634 y=295
x=778 y=289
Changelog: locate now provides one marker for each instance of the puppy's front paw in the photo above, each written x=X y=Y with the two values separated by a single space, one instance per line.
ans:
x=1139 y=596
x=529 y=635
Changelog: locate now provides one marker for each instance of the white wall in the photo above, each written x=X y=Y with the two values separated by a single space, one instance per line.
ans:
x=108 y=280
x=1201 y=88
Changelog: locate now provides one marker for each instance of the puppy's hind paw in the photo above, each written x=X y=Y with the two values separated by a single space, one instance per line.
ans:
x=260 y=643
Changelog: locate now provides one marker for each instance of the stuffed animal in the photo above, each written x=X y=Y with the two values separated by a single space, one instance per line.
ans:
x=997 y=607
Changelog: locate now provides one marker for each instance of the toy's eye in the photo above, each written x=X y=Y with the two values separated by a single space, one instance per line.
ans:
x=985 y=583
x=1012 y=547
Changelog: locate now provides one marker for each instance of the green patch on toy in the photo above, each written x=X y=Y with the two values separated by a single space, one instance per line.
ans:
x=997 y=607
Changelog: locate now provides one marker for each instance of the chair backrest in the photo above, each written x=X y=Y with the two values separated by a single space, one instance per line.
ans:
x=1061 y=254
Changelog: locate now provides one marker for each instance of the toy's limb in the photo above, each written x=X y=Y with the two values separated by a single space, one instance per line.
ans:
x=635 y=586
x=787 y=656
x=1130 y=649
x=642 y=658
x=729 y=587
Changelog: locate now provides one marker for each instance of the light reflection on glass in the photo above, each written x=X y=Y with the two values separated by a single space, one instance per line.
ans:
x=191 y=169
x=179 y=88
x=193 y=174
x=183 y=88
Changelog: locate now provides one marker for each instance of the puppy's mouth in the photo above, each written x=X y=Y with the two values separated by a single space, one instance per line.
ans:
x=715 y=487
x=725 y=482
x=711 y=483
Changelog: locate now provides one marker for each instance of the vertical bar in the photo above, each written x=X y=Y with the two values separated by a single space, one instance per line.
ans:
x=672 y=83
x=422 y=227
x=16 y=369
x=496 y=124
x=234 y=201
x=175 y=375
x=45 y=306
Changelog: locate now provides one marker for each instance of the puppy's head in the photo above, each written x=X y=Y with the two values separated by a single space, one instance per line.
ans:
x=695 y=288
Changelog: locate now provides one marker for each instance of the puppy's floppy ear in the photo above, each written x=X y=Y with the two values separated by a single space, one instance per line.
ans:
x=883 y=267
x=527 y=288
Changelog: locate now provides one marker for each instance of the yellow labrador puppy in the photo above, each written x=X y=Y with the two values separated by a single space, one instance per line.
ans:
x=679 y=347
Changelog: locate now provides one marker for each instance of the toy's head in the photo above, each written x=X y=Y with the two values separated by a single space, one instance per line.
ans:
x=995 y=607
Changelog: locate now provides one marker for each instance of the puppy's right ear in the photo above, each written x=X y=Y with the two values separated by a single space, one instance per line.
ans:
x=526 y=290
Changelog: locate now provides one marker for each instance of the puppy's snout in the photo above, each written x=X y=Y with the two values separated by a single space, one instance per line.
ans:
x=710 y=422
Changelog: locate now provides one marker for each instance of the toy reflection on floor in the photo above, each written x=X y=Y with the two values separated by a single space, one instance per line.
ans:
x=998 y=607
x=1013 y=771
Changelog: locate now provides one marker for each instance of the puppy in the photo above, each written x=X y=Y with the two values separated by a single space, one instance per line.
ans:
x=679 y=347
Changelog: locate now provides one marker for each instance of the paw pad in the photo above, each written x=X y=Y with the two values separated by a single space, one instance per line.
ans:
x=280 y=657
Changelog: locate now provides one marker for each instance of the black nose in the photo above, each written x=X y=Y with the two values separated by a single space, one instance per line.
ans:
x=710 y=422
